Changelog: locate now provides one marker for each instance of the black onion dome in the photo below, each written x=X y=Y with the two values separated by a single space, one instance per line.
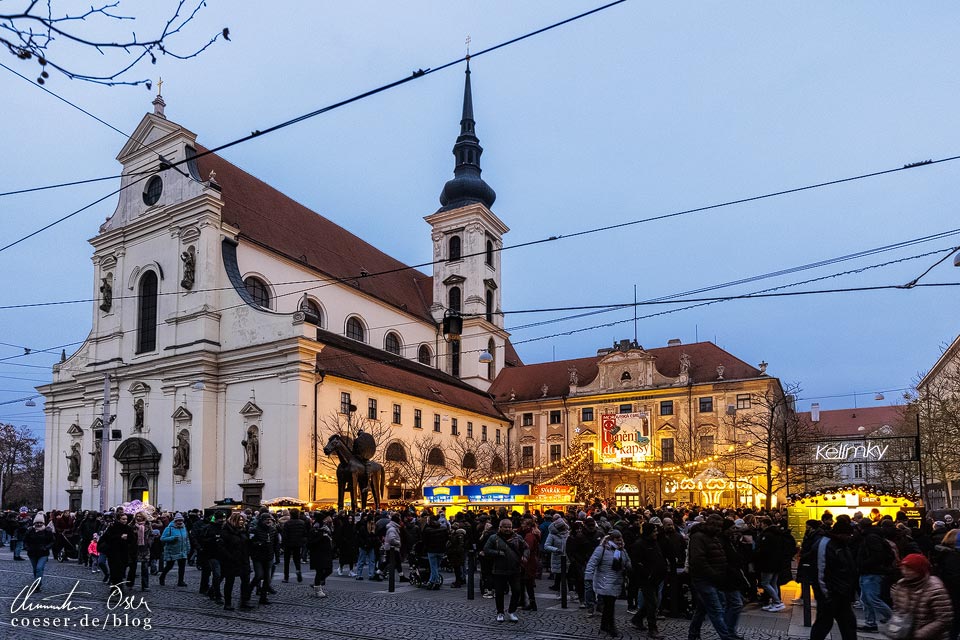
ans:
x=467 y=187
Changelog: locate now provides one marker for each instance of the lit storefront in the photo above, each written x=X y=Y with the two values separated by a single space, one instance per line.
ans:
x=849 y=500
x=512 y=497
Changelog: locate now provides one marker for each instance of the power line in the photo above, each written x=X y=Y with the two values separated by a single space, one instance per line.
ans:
x=419 y=73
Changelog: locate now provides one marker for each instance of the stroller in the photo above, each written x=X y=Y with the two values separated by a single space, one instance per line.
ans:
x=419 y=575
x=66 y=547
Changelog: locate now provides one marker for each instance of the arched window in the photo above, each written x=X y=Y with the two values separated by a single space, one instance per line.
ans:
x=436 y=458
x=147 y=313
x=355 y=330
x=489 y=257
x=138 y=488
x=469 y=460
x=496 y=465
x=391 y=343
x=258 y=290
x=316 y=311
x=454 y=296
x=396 y=452
x=489 y=305
x=492 y=365
x=454 y=248
x=424 y=356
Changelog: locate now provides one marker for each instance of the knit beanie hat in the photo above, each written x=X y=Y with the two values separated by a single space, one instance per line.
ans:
x=917 y=562
x=39 y=518
x=178 y=516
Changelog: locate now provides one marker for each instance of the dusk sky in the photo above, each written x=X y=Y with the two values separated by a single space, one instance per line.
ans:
x=637 y=111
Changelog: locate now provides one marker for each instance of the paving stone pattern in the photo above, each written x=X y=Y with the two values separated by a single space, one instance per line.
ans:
x=353 y=609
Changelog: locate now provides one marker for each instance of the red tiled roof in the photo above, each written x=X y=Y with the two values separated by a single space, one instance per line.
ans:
x=280 y=224
x=526 y=381
x=345 y=358
x=847 y=422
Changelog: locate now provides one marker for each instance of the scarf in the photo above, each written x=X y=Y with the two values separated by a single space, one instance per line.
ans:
x=141 y=534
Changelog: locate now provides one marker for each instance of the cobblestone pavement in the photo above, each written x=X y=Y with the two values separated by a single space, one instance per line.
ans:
x=354 y=609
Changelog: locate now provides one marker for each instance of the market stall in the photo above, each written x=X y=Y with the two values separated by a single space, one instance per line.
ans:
x=849 y=500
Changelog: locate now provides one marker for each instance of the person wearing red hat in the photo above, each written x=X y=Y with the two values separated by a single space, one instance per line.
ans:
x=923 y=598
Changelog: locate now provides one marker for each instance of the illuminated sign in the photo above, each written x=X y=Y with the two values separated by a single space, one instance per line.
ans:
x=625 y=435
x=441 y=494
x=554 y=491
x=496 y=492
x=840 y=452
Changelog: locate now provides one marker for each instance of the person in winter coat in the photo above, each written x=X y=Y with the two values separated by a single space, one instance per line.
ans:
x=606 y=568
x=946 y=566
x=263 y=543
x=140 y=542
x=176 y=548
x=649 y=571
x=88 y=527
x=708 y=575
x=877 y=558
x=509 y=553
x=528 y=577
x=434 y=545
x=923 y=597
x=210 y=540
x=345 y=540
x=456 y=554
x=774 y=551
x=294 y=536
x=556 y=544
x=368 y=544
x=234 y=555
x=38 y=542
x=579 y=550
x=118 y=541
x=835 y=581
x=320 y=543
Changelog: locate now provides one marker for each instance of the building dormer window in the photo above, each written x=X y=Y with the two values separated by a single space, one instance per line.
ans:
x=151 y=194
x=258 y=290
x=147 y=313
x=453 y=248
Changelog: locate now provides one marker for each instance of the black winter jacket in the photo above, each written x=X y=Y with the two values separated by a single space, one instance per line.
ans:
x=294 y=533
x=708 y=561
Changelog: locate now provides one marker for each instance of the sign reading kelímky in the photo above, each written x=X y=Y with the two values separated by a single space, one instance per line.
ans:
x=850 y=451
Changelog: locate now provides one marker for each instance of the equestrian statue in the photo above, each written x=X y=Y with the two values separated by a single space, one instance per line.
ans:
x=357 y=473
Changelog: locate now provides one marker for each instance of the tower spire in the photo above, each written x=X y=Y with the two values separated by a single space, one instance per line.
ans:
x=467 y=187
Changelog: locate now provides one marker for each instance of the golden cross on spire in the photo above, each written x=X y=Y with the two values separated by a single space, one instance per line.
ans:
x=468 y=47
x=160 y=86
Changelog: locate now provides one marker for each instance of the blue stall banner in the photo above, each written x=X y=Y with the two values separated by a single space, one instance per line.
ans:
x=440 y=494
x=496 y=492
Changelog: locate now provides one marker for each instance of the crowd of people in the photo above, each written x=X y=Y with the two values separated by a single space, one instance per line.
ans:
x=688 y=563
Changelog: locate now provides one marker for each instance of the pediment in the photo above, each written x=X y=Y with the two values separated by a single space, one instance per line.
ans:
x=585 y=431
x=97 y=423
x=554 y=437
x=525 y=439
x=182 y=415
x=490 y=283
x=251 y=410
x=666 y=427
x=139 y=389
x=152 y=129
x=454 y=279
x=75 y=431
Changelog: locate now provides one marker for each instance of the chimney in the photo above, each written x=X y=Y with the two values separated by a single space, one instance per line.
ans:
x=674 y=342
x=815 y=412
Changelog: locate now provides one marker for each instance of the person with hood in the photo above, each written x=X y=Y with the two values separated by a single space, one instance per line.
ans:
x=556 y=545
x=456 y=553
x=924 y=599
x=708 y=576
x=320 y=543
x=263 y=542
x=176 y=548
x=528 y=578
x=234 y=555
x=119 y=541
x=606 y=568
x=393 y=543
x=38 y=542
x=509 y=553
x=835 y=579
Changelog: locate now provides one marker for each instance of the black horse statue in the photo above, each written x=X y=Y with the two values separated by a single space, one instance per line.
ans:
x=356 y=475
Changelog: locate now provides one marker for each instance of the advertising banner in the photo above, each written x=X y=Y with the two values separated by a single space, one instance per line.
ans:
x=625 y=435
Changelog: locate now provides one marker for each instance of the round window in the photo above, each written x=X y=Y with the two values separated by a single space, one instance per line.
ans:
x=151 y=195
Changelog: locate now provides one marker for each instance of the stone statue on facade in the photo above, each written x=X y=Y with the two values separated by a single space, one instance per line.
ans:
x=181 y=453
x=251 y=451
x=189 y=259
x=138 y=415
x=73 y=463
x=106 y=294
x=684 y=363
x=95 y=464
x=574 y=376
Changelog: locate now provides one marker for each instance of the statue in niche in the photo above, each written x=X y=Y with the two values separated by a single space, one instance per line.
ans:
x=181 y=453
x=138 y=415
x=251 y=450
x=73 y=463
x=106 y=294
x=97 y=454
x=189 y=259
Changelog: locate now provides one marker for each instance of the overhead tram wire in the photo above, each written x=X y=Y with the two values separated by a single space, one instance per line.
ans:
x=419 y=73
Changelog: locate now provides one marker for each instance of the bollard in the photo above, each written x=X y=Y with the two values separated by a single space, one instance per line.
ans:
x=563 y=581
x=391 y=570
x=805 y=593
x=471 y=568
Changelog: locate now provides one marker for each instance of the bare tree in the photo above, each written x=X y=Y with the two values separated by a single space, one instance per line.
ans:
x=938 y=405
x=427 y=462
x=345 y=426
x=469 y=458
x=17 y=451
x=25 y=484
x=56 y=39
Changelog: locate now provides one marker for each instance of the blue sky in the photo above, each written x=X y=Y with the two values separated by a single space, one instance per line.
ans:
x=637 y=111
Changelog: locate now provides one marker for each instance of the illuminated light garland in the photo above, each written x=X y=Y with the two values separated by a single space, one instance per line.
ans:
x=837 y=492
x=572 y=458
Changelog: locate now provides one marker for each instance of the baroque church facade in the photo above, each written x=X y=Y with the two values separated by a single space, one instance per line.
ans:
x=232 y=321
